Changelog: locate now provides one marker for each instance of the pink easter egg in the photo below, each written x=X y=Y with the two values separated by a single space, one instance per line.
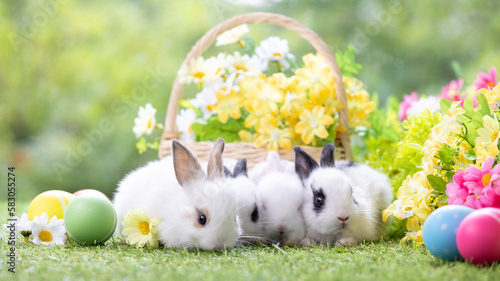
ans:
x=90 y=192
x=478 y=236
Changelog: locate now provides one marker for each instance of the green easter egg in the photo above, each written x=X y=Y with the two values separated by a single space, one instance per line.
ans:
x=90 y=219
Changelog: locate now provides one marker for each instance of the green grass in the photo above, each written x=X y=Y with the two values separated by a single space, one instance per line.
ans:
x=115 y=261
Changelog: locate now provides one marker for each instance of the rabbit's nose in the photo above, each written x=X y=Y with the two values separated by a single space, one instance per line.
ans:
x=281 y=228
x=343 y=219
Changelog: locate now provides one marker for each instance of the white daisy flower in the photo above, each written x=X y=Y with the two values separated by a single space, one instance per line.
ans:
x=201 y=71
x=48 y=232
x=22 y=224
x=431 y=103
x=232 y=36
x=274 y=49
x=243 y=65
x=185 y=119
x=146 y=122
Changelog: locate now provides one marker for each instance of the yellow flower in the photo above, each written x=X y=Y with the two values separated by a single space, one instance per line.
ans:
x=430 y=150
x=294 y=104
x=482 y=153
x=461 y=161
x=415 y=231
x=396 y=209
x=274 y=138
x=455 y=110
x=227 y=105
x=259 y=117
x=246 y=136
x=139 y=229
x=358 y=102
x=313 y=123
x=489 y=134
x=492 y=96
x=315 y=77
x=265 y=96
x=360 y=107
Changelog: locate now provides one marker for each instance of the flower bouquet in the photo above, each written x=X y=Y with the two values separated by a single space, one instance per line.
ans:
x=258 y=98
x=457 y=159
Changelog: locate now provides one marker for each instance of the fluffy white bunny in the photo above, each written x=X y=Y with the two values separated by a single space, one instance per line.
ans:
x=197 y=210
x=343 y=200
x=280 y=196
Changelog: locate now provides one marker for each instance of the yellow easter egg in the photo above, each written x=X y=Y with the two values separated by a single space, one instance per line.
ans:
x=52 y=202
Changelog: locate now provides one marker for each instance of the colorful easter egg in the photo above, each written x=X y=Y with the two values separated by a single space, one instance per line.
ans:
x=440 y=231
x=478 y=237
x=52 y=202
x=90 y=219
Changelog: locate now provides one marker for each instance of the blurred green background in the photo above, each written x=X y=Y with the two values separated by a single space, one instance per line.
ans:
x=74 y=73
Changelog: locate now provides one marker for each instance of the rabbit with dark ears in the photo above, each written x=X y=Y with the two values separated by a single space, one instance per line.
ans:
x=343 y=200
x=197 y=210
x=246 y=200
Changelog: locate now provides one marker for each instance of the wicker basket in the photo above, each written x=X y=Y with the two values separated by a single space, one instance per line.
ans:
x=248 y=150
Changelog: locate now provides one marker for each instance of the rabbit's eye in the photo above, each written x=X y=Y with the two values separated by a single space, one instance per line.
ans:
x=319 y=201
x=202 y=219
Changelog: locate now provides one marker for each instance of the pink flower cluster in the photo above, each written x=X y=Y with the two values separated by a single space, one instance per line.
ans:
x=452 y=91
x=408 y=101
x=476 y=188
x=486 y=80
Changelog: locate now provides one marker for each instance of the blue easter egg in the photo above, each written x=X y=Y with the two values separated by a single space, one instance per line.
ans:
x=440 y=231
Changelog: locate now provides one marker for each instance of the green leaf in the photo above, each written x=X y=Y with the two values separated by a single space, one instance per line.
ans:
x=141 y=145
x=447 y=155
x=484 y=106
x=214 y=129
x=445 y=105
x=444 y=199
x=469 y=108
x=332 y=132
x=346 y=61
x=437 y=183
x=389 y=133
x=186 y=104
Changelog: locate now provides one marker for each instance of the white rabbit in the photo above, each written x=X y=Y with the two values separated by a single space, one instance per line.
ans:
x=196 y=210
x=343 y=200
x=246 y=199
x=272 y=163
x=280 y=198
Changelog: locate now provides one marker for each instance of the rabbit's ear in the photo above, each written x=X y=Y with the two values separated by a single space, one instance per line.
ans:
x=240 y=169
x=304 y=163
x=215 y=168
x=327 y=160
x=273 y=161
x=227 y=172
x=186 y=165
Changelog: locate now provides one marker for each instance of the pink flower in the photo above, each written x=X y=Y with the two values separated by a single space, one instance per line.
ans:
x=476 y=188
x=486 y=80
x=452 y=91
x=408 y=101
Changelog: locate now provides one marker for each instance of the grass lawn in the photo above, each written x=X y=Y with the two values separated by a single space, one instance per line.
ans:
x=115 y=261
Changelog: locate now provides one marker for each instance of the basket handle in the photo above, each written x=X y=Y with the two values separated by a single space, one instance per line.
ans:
x=208 y=39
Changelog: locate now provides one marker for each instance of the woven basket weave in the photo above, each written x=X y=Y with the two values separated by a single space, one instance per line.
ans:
x=248 y=150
